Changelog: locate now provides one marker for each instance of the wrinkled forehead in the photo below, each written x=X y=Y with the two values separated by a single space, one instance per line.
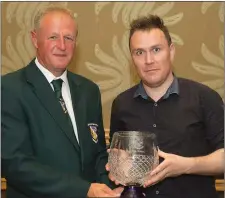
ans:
x=58 y=19
x=148 y=38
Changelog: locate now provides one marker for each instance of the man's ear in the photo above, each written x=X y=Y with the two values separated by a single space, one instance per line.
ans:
x=172 y=52
x=34 y=38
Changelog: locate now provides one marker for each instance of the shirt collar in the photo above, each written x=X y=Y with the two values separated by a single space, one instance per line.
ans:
x=173 y=89
x=48 y=75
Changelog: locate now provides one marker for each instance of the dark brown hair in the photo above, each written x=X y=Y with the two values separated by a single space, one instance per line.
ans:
x=147 y=23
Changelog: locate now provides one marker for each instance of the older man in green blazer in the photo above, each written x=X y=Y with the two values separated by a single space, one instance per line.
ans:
x=53 y=143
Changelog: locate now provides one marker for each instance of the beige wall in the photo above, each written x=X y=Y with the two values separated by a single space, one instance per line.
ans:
x=197 y=29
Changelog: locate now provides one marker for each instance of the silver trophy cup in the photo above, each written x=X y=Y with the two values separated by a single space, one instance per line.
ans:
x=132 y=157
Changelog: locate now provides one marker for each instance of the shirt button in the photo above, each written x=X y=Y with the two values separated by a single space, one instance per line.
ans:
x=154 y=125
x=155 y=104
x=157 y=192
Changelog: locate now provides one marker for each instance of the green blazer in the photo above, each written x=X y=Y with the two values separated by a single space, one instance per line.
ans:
x=40 y=154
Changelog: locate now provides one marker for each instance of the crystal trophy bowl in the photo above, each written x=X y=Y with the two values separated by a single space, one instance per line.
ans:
x=132 y=157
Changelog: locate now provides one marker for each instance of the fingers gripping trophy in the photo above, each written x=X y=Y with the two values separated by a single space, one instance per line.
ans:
x=132 y=157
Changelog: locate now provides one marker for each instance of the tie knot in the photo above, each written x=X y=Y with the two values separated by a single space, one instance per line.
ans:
x=57 y=84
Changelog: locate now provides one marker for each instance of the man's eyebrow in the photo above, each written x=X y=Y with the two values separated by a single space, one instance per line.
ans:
x=70 y=35
x=157 y=45
x=57 y=34
x=138 y=49
x=144 y=49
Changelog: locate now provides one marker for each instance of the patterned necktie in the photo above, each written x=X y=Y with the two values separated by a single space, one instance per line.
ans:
x=57 y=84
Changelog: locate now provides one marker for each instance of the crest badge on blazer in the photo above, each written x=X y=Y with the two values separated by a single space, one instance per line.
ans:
x=93 y=130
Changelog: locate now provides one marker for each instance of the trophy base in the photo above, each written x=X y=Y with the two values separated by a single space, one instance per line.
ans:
x=132 y=192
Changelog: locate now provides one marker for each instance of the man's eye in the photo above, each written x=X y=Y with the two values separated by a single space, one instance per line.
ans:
x=156 y=49
x=69 y=38
x=53 y=37
x=139 y=52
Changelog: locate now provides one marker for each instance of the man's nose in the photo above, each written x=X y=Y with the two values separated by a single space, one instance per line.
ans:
x=149 y=58
x=62 y=44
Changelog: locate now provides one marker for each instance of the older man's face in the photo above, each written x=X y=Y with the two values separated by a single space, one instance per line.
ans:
x=55 y=41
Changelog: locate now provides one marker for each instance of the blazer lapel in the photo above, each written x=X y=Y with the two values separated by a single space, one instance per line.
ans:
x=44 y=92
x=79 y=108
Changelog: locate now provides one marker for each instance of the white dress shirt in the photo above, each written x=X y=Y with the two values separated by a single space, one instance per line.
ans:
x=65 y=92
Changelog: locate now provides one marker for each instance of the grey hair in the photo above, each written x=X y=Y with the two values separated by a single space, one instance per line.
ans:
x=47 y=9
